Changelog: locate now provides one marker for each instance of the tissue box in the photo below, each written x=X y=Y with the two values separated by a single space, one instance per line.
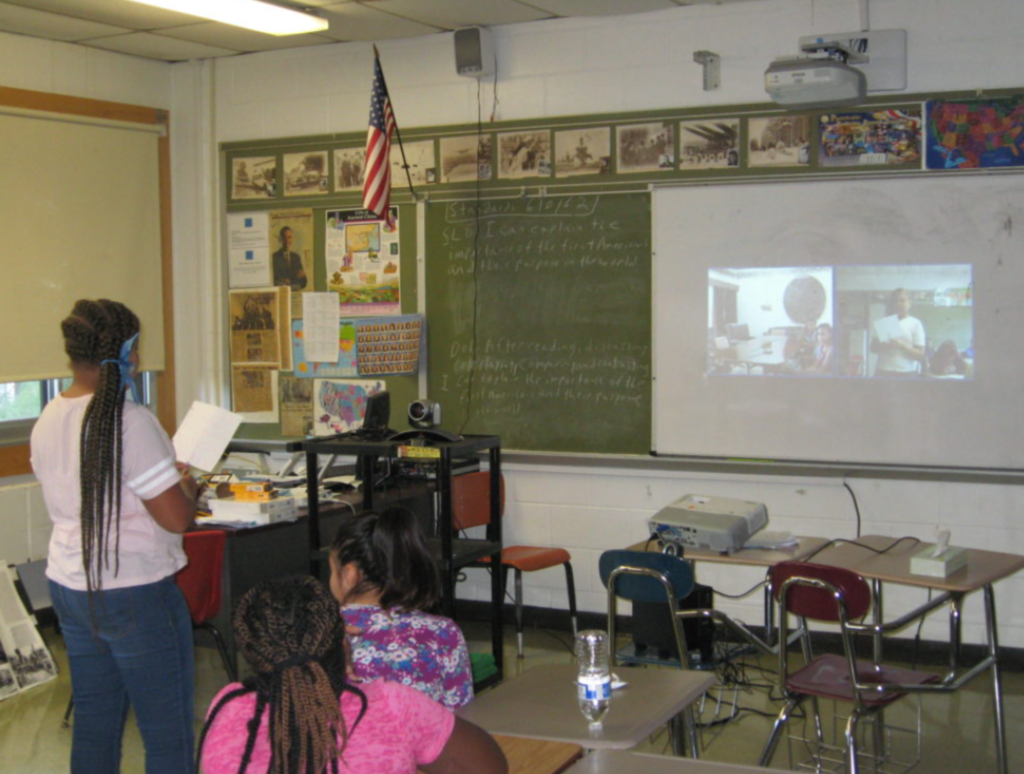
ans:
x=946 y=563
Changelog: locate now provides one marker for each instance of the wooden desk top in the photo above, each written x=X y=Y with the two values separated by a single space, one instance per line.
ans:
x=541 y=704
x=537 y=756
x=754 y=557
x=982 y=568
x=619 y=761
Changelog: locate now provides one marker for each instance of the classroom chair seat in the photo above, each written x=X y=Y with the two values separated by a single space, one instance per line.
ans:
x=471 y=507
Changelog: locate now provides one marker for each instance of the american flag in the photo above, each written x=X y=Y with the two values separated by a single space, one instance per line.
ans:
x=377 y=184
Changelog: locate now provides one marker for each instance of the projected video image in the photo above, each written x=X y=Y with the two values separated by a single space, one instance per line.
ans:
x=894 y=322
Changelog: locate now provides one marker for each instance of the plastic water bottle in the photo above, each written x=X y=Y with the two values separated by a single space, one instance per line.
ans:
x=594 y=684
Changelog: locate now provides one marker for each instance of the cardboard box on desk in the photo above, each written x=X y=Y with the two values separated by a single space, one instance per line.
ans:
x=251 y=512
x=946 y=563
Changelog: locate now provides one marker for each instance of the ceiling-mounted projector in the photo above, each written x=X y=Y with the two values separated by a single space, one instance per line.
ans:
x=812 y=82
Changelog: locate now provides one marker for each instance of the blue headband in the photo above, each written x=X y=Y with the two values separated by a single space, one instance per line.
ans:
x=127 y=368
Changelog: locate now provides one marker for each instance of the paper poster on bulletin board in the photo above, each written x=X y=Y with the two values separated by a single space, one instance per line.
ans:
x=363 y=262
x=339 y=405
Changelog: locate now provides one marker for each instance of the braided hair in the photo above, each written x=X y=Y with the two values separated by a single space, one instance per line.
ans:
x=291 y=632
x=94 y=333
x=391 y=551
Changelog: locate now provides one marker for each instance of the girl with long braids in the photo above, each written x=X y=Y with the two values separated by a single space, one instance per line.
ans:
x=299 y=714
x=388 y=584
x=119 y=503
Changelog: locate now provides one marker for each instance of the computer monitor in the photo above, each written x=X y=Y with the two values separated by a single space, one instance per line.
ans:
x=378 y=413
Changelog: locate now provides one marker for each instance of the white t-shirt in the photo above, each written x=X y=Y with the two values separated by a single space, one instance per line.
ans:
x=148 y=553
x=895 y=360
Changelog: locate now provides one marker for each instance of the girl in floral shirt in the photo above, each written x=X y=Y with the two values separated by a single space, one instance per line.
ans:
x=383 y=575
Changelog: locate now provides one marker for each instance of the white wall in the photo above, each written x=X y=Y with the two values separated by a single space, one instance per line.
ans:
x=580 y=66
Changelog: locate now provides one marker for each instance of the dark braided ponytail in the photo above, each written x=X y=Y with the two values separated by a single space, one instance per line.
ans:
x=291 y=632
x=94 y=333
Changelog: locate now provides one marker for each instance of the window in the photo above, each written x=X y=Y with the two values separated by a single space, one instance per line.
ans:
x=22 y=402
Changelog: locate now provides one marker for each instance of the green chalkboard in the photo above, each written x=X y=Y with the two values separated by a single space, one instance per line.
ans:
x=539 y=320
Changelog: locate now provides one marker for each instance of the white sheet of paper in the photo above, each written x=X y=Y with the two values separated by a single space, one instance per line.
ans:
x=248 y=250
x=321 y=317
x=888 y=328
x=204 y=434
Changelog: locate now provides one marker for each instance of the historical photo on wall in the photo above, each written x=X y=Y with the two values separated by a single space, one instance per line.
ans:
x=349 y=169
x=254 y=178
x=645 y=147
x=779 y=142
x=24 y=658
x=709 y=144
x=583 y=152
x=524 y=154
x=254 y=392
x=864 y=138
x=291 y=244
x=305 y=173
x=255 y=321
x=468 y=157
x=420 y=157
x=296 y=405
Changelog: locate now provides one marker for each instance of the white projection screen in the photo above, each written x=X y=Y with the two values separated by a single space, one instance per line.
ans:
x=918 y=282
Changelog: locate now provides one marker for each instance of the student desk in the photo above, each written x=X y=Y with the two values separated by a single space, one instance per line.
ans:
x=622 y=762
x=983 y=569
x=537 y=756
x=541 y=704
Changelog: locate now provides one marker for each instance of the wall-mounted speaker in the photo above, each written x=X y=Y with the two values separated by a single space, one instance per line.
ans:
x=474 y=52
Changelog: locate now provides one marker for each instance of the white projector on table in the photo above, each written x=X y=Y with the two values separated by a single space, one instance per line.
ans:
x=714 y=523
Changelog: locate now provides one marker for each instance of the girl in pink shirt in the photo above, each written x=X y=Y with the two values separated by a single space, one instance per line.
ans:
x=299 y=714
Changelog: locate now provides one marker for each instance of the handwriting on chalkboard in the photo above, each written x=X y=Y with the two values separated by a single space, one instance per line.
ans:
x=543 y=333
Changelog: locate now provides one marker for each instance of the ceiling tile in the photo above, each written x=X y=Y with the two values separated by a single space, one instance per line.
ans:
x=157 y=47
x=238 y=39
x=355 y=21
x=43 y=24
x=601 y=7
x=118 y=12
x=452 y=14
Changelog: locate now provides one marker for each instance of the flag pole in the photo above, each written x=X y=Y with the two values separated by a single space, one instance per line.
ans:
x=398 y=134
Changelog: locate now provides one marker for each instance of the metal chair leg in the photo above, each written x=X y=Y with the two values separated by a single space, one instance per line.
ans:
x=67 y=713
x=519 y=611
x=851 y=742
x=776 y=734
x=570 y=585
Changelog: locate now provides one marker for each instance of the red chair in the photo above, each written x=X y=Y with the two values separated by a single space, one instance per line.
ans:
x=834 y=595
x=471 y=507
x=200 y=581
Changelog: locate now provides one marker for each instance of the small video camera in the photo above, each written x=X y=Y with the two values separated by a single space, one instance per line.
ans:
x=424 y=414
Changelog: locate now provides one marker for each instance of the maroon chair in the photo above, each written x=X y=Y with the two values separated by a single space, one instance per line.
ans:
x=471 y=507
x=815 y=592
x=200 y=581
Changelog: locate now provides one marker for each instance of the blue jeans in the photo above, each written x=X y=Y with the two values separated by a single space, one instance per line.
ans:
x=136 y=651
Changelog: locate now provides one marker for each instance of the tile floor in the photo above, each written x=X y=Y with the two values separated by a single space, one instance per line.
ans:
x=957 y=738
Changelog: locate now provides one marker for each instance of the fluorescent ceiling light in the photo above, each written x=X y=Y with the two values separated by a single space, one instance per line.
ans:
x=250 y=14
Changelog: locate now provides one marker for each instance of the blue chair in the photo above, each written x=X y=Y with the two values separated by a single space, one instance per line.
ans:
x=642 y=576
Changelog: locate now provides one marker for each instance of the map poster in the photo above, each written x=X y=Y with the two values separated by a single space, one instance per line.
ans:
x=865 y=138
x=339 y=406
x=363 y=262
x=975 y=133
x=346 y=365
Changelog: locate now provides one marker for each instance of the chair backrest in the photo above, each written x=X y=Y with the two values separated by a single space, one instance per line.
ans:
x=808 y=598
x=200 y=579
x=637 y=582
x=471 y=500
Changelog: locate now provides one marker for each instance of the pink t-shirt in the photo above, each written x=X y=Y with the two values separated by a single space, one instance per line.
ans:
x=147 y=553
x=401 y=730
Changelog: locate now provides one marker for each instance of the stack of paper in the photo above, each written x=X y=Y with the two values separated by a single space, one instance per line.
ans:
x=252 y=513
